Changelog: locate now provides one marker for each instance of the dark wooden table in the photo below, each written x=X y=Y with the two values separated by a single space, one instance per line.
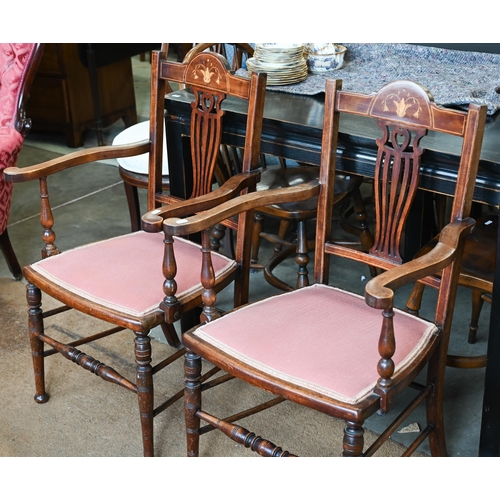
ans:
x=292 y=129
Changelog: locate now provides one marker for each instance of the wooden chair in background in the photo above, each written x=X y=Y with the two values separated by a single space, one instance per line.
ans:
x=120 y=280
x=476 y=273
x=324 y=347
x=292 y=238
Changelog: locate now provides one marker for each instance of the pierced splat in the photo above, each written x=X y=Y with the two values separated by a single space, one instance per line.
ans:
x=206 y=134
x=395 y=185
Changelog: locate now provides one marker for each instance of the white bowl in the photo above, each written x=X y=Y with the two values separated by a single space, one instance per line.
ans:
x=319 y=63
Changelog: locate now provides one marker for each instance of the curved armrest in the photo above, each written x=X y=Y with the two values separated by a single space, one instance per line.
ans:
x=15 y=174
x=152 y=221
x=379 y=291
x=250 y=201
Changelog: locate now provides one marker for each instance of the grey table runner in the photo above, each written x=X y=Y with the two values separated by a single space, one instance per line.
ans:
x=454 y=78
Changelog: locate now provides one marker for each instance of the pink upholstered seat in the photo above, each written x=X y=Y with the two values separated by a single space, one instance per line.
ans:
x=279 y=346
x=124 y=274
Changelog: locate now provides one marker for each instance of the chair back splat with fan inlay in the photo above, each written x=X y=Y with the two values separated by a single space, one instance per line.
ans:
x=134 y=171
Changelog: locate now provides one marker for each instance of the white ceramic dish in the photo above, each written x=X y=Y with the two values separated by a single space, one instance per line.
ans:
x=320 y=63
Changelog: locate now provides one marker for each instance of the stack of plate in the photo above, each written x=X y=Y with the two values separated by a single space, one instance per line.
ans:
x=283 y=63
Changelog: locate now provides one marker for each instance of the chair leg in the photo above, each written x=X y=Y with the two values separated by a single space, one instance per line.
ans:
x=10 y=256
x=144 y=380
x=221 y=236
x=477 y=305
x=365 y=237
x=353 y=442
x=35 y=326
x=192 y=402
x=170 y=335
x=355 y=206
x=437 y=438
x=257 y=229
x=133 y=206
x=282 y=232
x=434 y=406
x=414 y=302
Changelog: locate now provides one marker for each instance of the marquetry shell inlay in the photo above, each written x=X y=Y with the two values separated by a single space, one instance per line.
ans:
x=411 y=102
x=403 y=103
x=209 y=71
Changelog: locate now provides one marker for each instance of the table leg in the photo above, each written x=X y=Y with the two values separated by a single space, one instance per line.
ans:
x=489 y=443
x=179 y=160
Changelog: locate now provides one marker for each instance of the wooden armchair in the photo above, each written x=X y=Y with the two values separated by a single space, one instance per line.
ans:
x=324 y=347
x=18 y=65
x=120 y=280
x=134 y=170
x=476 y=273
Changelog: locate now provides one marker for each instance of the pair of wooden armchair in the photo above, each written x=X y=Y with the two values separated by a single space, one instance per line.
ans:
x=318 y=346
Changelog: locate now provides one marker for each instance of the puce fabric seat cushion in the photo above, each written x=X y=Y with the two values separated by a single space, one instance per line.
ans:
x=125 y=273
x=272 y=336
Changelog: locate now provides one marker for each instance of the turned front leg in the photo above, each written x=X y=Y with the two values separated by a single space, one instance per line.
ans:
x=192 y=402
x=35 y=328
x=353 y=442
x=144 y=380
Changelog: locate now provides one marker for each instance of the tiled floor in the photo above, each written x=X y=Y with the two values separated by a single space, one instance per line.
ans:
x=90 y=204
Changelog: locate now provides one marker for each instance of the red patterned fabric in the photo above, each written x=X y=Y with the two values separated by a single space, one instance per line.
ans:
x=271 y=335
x=14 y=59
x=11 y=142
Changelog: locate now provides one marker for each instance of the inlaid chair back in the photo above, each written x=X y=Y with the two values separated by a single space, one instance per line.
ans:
x=360 y=355
x=229 y=161
x=208 y=75
x=134 y=171
x=405 y=114
x=18 y=65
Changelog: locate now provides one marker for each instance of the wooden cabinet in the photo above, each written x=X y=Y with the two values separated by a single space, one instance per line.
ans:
x=61 y=96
